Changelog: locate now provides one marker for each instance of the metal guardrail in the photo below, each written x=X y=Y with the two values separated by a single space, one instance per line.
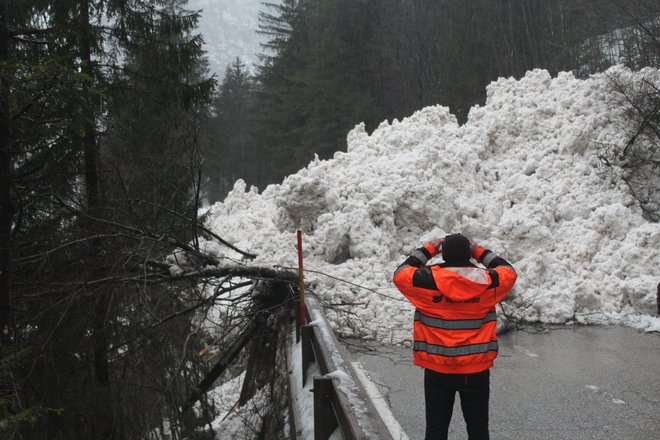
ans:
x=340 y=400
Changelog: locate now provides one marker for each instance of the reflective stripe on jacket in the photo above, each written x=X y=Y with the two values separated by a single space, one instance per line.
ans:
x=455 y=320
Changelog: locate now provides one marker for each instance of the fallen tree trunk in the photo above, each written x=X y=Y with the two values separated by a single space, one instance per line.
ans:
x=163 y=276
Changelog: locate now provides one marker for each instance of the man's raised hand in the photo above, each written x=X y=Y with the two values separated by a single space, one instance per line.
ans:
x=437 y=243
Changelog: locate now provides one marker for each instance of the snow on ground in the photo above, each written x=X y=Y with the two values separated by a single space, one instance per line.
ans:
x=520 y=177
x=234 y=422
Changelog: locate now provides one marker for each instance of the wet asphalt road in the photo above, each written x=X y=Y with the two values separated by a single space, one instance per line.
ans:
x=562 y=383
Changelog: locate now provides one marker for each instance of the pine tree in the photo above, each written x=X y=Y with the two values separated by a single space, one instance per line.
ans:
x=278 y=117
x=337 y=91
x=160 y=96
x=67 y=224
x=232 y=155
x=6 y=165
x=316 y=85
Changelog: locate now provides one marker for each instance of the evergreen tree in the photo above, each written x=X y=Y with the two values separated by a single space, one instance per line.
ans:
x=279 y=118
x=337 y=91
x=232 y=154
x=316 y=86
x=160 y=96
x=73 y=220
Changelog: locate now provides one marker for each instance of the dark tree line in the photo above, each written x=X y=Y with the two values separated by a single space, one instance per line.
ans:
x=101 y=149
x=331 y=64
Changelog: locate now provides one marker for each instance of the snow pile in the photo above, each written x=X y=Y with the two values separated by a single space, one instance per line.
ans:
x=520 y=177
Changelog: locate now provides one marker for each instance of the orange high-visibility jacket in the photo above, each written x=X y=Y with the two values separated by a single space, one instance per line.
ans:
x=455 y=320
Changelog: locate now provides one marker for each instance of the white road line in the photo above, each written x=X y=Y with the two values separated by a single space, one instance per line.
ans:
x=381 y=406
x=525 y=351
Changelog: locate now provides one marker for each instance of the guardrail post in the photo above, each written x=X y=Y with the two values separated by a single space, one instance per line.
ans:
x=325 y=419
x=307 y=350
x=333 y=405
x=301 y=279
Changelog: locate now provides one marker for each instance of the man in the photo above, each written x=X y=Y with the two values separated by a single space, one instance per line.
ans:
x=454 y=329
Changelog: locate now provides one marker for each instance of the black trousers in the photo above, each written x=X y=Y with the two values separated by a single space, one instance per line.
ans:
x=439 y=392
